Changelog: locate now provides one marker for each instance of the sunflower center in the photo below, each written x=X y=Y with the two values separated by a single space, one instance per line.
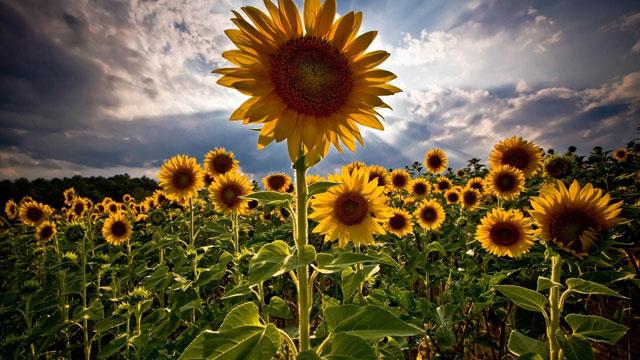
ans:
x=443 y=185
x=378 y=177
x=183 y=179
x=34 y=213
x=252 y=204
x=470 y=198
x=420 y=189
x=429 y=215
x=351 y=208
x=119 y=229
x=505 y=182
x=570 y=225
x=113 y=208
x=504 y=234
x=397 y=222
x=46 y=233
x=311 y=76
x=518 y=158
x=222 y=163
x=276 y=181
x=620 y=153
x=558 y=168
x=78 y=209
x=453 y=197
x=399 y=181
x=230 y=195
x=476 y=186
x=434 y=162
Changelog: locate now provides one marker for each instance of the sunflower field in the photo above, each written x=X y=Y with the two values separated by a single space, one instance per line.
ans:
x=531 y=255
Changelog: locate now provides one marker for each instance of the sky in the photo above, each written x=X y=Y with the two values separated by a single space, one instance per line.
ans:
x=96 y=87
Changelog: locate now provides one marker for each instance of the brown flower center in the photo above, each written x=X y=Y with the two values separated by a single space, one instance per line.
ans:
x=504 y=234
x=453 y=197
x=378 y=177
x=46 y=232
x=229 y=195
x=443 y=185
x=397 y=222
x=429 y=215
x=183 y=179
x=420 y=189
x=311 y=76
x=470 y=198
x=518 y=158
x=276 y=182
x=221 y=163
x=78 y=209
x=568 y=226
x=558 y=168
x=351 y=208
x=505 y=182
x=119 y=228
x=476 y=185
x=399 y=180
x=34 y=213
x=434 y=161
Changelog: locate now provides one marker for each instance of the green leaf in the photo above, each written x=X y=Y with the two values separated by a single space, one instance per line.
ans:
x=308 y=355
x=113 y=346
x=320 y=187
x=270 y=198
x=523 y=297
x=243 y=289
x=596 y=328
x=349 y=347
x=589 y=287
x=329 y=264
x=109 y=323
x=575 y=347
x=279 y=308
x=275 y=258
x=242 y=315
x=96 y=310
x=435 y=246
x=530 y=356
x=370 y=322
x=351 y=280
x=521 y=344
x=545 y=283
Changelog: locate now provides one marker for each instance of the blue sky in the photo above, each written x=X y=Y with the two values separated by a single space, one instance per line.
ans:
x=106 y=87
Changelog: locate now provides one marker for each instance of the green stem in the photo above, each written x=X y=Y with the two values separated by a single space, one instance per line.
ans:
x=195 y=258
x=304 y=292
x=85 y=327
x=554 y=305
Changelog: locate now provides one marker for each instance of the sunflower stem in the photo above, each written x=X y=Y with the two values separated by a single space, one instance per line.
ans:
x=85 y=325
x=304 y=292
x=554 y=304
x=192 y=239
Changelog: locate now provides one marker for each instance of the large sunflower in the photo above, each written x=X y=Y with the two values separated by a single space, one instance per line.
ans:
x=78 y=207
x=379 y=174
x=181 y=177
x=226 y=193
x=69 y=195
x=11 y=209
x=219 y=161
x=276 y=182
x=573 y=218
x=517 y=152
x=309 y=84
x=419 y=188
x=32 y=213
x=436 y=161
x=430 y=215
x=505 y=182
x=45 y=231
x=399 y=179
x=354 y=210
x=505 y=233
x=399 y=223
x=116 y=229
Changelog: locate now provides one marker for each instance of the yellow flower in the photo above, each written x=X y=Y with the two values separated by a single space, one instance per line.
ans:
x=452 y=195
x=310 y=84
x=573 y=218
x=355 y=165
x=112 y=207
x=116 y=229
x=69 y=195
x=620 y=154
x=443 y=184
x=219 y=161
x=160 y=198
x=505 y=182
x=515 y=151
x=312 y=179
x=181 y=177
x=380 y=174
x=399 y=223
x=419 y=188
x=78 y=207
x=276 y=182
x=351 y=211
x=436 y=161
x=32 y=213
x=429 y=214
x=476 y=183
x=226 y=193
x=470 y=198
x=505 y=233
x=126 y=198
x=45 y=231
x=11 y=209
x=399 y=179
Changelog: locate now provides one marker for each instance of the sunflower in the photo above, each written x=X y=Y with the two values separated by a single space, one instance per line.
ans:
x=574 y=217
x=45 y=231
x=126 y=198
x=100 y=208
x=430 y=215
x=453 y=196
x=11 y=209
x=312 y=179
x=181 y=177
x=353 y=210
x=620 y=154
x=557 y=166
x=355 y=165
x=505 y=182
x=116 y=229
x=226 y=193
x=443 y=184
x=505 y=233
x=380 y=174
x=517 y=152
x=399 y=223
x=69 y=195
x=112 y=207
x=476 y=183
x=276 y=182
x=470 y=198
x=282 y=213
x=309 y=84
x=419 y=188
x=461 y=173
x=160 y=198
x=32 y=213
x=78 y=207
x=25 y=199
x=436 y=161
x=219 y=161
x=399 y=179
x=149 y=203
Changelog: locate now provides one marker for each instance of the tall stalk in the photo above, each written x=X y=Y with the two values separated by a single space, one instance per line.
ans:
x=304 y=291
x=192 y=241
x=554 y=306
x=85 y=325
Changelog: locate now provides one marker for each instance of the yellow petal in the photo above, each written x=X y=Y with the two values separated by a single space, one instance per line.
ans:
x=311 y=8
x=360 y=44
x=325 y=18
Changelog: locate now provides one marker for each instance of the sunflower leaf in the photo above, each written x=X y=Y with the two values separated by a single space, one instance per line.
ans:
x=596 y=328
x=523 y=297
x=270 y=198
x=590 y=288
x=320 y=187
